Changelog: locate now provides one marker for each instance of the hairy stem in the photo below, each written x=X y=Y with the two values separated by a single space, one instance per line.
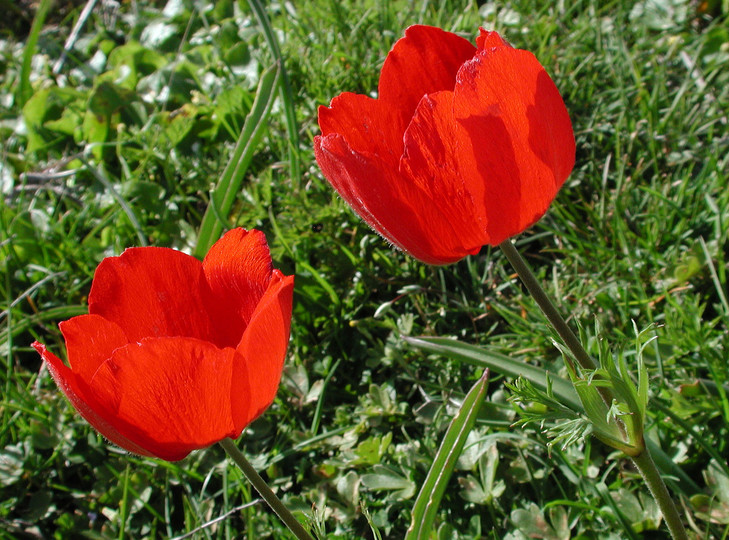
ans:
x=647 y=467
x=546 y=305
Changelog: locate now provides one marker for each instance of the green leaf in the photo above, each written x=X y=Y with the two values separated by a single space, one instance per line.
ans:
x=131 y=61
x=485 y=488
x=12 y=458
x=104 y=103
x=231 y=107
x=178 y=124
x=287 y=94
x=476 y=356
x=50 y=111
x=371 y=451
x=596 y=410
x=426 y=505
x=224 y=193
x=24 y=87
x=386 y=479
x=533 y=524
x=561 y=388
x=621 y=518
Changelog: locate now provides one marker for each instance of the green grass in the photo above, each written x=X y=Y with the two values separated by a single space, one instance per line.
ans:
x=124 y=146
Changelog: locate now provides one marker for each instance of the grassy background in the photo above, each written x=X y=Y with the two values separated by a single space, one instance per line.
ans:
x=121 y=145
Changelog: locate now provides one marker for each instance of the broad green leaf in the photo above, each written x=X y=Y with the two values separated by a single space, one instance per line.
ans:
x=485 y=488
x=371 y=451
x=131 y=61
x=477 y=356
x=621 y=518
x=47 y=113
x=158 y=34
x=12 y=458
x=386 y=479
x=532 y=522
x=426 y=505
x=178 y=124
x=105 y=103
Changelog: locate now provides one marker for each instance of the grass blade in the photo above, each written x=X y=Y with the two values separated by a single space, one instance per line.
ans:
x=426 y=505
x=26 y=323
x=715 y=278
x=286 y=94
x=100 y=175
x=24 y=88
x=304 y=265
x=73 y=36
x=562 y=388
x=223 y=196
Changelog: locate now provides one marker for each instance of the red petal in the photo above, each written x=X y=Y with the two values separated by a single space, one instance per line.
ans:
x=264 y=345
x=174 y=395
x=367 y=124
x=426 y=60
x=435 y=161
x=518 y=133
x=389 y=202
x=489 y=40
x=238 y=269
x=80 y=396
x=477 y=167
x=153 y=292
x=90 y=341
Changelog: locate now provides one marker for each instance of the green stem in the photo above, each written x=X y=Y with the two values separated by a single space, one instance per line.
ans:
x=269 y=496
x=643 y=461
x=558 y=323
x=546 y=305
x=647 y=467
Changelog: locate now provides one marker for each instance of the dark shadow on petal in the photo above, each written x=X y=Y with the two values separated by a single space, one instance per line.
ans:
x=496 y=164
x=550 y=130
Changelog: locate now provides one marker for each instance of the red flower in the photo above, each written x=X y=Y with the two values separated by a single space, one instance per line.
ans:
x=464 y=146
x=176 y=354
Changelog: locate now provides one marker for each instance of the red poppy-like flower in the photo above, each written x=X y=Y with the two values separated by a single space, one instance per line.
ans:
x=176 y=354
x=464 y=146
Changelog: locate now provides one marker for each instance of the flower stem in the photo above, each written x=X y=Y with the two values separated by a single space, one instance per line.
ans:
x=643 y=461
x=647 y=467
x=269 y=496
x=554 y=317
x=546 y=305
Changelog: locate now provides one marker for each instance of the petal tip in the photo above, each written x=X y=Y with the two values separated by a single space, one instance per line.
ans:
x=489 y=39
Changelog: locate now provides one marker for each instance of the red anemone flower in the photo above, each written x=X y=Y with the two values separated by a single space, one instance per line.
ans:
x=464 y=146
x=176 y=354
